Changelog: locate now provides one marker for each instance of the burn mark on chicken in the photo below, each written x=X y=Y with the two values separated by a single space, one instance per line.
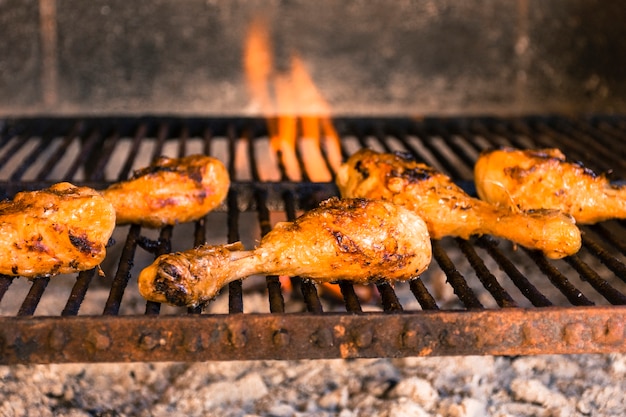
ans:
x=413 y=175
x=36 y=245
x=361 y=169
x=517 y=172
x=168 y=282
x=586 y=171
x=405 y=155
x=344 y=242
x=82 y=243
x=194 y=172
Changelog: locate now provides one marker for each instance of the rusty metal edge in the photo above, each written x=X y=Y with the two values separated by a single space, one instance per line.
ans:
x=511 y=331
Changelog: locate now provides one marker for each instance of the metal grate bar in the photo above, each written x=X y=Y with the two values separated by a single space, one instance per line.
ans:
x=572 y=294
x=461 y=289
x=5 y=283
x=33 y=297
x=612 y=134
x=163 y=246
x=79 y=290
x=308 y=289
x=235 y=288
x=199 y=238
x=423 y=297
x=102 y=157
x=442 y=131
x=162 y=135
x=30 y=159
x=576 y=150
x=183 y=137
x=17 y=144
x=449 y=167
x=590 y=147
x=353 y=305
x=527 y=289
x=609 y=138
x=600 y=285
x=122 y=275
x=611 y=262
x=389 y=298
x=470 y=138
x=207 y=135
x=277 y=302
x=88 y=144
x=488 y=280
x=140 y=133
x=610 y=237
x=56 y=156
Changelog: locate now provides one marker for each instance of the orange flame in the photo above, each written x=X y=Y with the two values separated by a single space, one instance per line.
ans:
x=293 y=107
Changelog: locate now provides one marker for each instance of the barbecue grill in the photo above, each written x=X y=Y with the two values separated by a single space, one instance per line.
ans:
x=506 y=300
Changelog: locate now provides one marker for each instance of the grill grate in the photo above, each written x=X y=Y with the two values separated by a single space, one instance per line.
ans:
x=479 y=297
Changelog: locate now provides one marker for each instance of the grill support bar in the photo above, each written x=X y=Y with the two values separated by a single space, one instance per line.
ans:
x=549 y=330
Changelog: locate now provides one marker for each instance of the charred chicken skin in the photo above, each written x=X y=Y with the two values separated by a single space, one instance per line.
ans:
x=544 y=179
x=59 y=230
x=170 y=191
x=353 y=239
x=447 y=209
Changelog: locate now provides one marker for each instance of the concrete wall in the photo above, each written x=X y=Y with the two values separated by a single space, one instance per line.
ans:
x=422 y=57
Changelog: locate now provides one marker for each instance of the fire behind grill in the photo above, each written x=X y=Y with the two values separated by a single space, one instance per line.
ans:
x=500 y=299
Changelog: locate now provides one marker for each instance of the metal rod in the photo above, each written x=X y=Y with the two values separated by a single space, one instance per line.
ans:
x=461 y=289
x=79 y=290
x=423 y=297
x=5 y=283
x=605 y=257
x=353 y=305
x=122 y=275
x=488 y=280
x=599 y=284
x=572 y=293
x=140 y=133
x=610 y=237
x=30 y=303
x=527 y=289
x=55 y=157
x=389 y=298
x=164 y=246
x=308 y=288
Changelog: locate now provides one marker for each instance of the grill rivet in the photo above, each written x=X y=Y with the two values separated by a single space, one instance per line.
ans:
x=56 y=339
x=409 y=338
x=99 y=340
x=281 y=337
x=149 y=341
x=530 y=335
x=612 y=333
x=193 y=342
x=363 y=338
x=237 y=335
x=323 y=338
x=574 y=333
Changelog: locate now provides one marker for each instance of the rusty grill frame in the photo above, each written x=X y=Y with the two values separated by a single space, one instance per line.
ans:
x=578 y=325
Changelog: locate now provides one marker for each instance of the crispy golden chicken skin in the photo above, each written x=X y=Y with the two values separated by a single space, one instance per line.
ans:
x=354 y=239
x=447 y=209
x=543 y=179
x=170 y=191
x=59 y=230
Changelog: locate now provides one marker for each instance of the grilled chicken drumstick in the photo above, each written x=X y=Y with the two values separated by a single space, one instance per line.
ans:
x=447 y=209
x=543 y=179
x=353 y=239
x=59 y=230
x=170 y=191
